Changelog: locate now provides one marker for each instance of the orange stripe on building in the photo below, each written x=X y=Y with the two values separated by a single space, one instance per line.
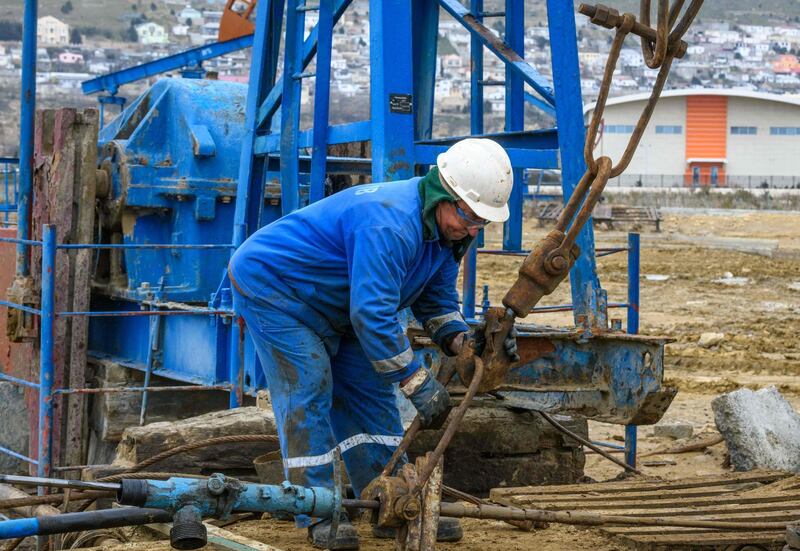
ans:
x=706 y=133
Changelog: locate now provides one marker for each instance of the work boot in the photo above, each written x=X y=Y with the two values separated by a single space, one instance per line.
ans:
x=449 y=529
x=346 y=536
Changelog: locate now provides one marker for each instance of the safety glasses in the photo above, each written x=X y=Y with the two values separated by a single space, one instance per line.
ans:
x=470 y=221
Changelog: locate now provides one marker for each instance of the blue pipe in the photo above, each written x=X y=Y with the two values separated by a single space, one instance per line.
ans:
x=207 y=495
x=26 y=128
x=19 y=528
x=633 y=327
x=46 y=365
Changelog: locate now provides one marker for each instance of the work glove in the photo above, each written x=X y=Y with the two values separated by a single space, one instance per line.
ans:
x=429 y=397
x=509 y=344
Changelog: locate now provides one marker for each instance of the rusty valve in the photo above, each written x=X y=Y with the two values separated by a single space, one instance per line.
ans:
x=397 y=505
x=542 y=271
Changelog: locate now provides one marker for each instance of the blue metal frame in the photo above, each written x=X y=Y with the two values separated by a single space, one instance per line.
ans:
x=26 y=130
x=403 y=60
x=111 y=82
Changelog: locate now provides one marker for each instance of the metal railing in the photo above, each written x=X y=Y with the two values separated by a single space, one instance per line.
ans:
x=9 y=178
x=631 y=306
x=704 y=181
x=47 y=315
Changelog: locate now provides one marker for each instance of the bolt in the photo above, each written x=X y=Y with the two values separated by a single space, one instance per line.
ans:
x=215 y=485
x=558 y=263
x=407 y=507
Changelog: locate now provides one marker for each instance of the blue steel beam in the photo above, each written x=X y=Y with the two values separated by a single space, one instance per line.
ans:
x=391 y=90
x=112 y=81
x=425 y=22
x=340 y=133
x=585 y=285
x=520 y=158
x=515 y=118
x=290 y=105
x=470 y=266
x=26 y=128
x=527 y=139
x=502 y=50
x=269 y=104
x=540 y=104
x=322 y=100
x=269 y=16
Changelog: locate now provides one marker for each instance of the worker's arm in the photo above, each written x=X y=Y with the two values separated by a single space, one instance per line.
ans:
x=377 y=258
x=437 y=309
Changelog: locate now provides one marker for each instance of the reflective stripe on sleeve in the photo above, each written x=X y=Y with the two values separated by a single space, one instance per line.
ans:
x=344 y=445
x=395 y=363
x=434 y=324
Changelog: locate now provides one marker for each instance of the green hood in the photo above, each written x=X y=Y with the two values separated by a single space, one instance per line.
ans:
x=431 y=193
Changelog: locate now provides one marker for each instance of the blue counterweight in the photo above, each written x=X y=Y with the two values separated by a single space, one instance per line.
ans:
x=172 y=158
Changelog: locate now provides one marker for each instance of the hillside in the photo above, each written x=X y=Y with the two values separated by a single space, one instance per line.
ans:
x=115 y=15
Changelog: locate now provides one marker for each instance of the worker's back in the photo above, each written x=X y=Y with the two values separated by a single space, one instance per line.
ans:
x=304 y=261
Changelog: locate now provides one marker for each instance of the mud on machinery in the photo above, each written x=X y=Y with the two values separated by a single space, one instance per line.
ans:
x=167 y=175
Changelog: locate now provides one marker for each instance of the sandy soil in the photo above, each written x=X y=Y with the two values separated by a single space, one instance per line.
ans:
x=757 y=315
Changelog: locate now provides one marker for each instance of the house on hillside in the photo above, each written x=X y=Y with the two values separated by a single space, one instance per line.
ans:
x=70 y=58
x=151 y=33
x=51 y=31
x=189 y=14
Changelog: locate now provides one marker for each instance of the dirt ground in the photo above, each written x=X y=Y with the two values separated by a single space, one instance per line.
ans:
x=694 y=281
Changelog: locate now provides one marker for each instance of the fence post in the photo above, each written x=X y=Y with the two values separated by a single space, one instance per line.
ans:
x=633 y=327
x=48 y=316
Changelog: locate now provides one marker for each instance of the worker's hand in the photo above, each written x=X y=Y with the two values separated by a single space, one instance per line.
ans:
x=429 y=397
x=509 y=344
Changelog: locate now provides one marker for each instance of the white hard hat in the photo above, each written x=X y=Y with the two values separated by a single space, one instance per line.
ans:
x=478 y=171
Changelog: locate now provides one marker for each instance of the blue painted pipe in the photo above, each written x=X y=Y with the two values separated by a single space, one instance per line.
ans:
x=26 y=128
x=74 y=522
x=220 y=495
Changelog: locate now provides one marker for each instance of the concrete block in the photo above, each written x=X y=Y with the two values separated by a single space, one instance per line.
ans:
x=673 y=429
x=707 y=340
x=761 y=429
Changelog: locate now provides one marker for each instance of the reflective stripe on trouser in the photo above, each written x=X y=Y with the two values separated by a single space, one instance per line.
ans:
x=325 y=395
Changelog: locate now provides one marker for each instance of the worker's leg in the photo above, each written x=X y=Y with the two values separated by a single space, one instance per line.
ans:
x=364 y=417
x=297 y=366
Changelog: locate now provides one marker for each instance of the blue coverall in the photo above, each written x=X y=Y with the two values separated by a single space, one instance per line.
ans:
x=320 y=291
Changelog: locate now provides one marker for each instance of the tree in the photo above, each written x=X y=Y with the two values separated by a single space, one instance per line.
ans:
x=75 y=37
x=66 y=7
x=130 y=34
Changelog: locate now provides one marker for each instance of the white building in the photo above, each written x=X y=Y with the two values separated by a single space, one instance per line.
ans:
x=712 y=137
x=52 y=32
x=188 y=14
x=151 y=33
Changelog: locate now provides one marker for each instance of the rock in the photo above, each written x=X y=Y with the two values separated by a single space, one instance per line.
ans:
x=760 y=428
x=676 y=430
x=140 y=443
x=495 y=446
x=707 y=340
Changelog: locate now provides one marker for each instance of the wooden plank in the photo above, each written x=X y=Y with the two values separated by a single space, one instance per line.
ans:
x=638 y=485
x=788 y=516
x=706 y=511
x=85 y=137
x=654 y=495
x=661 y=504
x=711 y=538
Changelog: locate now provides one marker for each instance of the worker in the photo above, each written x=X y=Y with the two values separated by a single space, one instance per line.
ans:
x=321 y=292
